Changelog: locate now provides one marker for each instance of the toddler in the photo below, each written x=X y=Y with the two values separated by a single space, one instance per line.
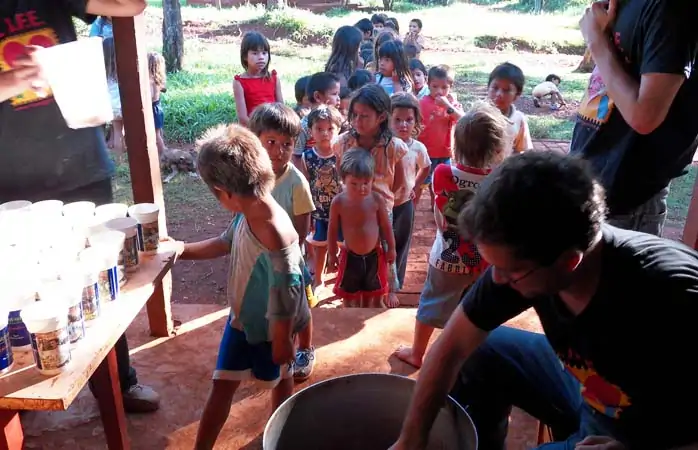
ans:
x=256 y=85
x=361 y=213
x=548 y=88
x=504 y=87
x=414 y=36
x=158 y=82
x=482 y=141
x=302 y=107
x=265 y=286
x=440 y=112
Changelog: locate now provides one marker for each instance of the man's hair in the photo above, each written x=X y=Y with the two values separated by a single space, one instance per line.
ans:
x=364 y=25
x=441 y=72
x=553 y=77
x=510 y=72
x=538 y=205
x=482 y=136
x=358 y=163
x=378 y=18
x=411 y=51
x=320 y=82
x=300 y=87
x=275 y=117
x=418 y=22
x=232 y=159
x=324 y=112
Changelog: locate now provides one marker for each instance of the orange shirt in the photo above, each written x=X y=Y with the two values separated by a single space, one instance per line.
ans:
x=437 y=135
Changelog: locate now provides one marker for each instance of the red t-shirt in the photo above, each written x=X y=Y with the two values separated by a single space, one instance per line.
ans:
x=437 y=135
x=258 y=90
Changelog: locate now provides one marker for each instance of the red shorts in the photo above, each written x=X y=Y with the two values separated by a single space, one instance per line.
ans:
x=361 y=275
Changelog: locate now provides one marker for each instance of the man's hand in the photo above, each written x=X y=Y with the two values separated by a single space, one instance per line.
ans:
x=599 y=443
x=598 y=19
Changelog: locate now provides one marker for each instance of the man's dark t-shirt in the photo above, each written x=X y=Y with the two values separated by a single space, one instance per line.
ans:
x=633 y=346
x=40 y=156
x=650 y=36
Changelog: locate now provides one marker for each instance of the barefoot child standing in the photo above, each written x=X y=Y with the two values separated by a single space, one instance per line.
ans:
x=482 y=141
x=360 y=212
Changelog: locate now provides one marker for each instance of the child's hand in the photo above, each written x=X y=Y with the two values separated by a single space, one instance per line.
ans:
x=414 y=193
x=170 y=244
x=390 y=256
x=332 y=264
x=442 y=101
x=282 y=352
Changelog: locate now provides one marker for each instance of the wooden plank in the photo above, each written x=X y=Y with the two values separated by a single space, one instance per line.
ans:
x=111 y=403
x=12 y=434
x=139 y=130
x=25 y=388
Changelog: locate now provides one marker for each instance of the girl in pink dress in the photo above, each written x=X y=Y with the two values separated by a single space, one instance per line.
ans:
x=256 y=85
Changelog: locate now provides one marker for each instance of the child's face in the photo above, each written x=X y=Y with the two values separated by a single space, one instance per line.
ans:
x=502 y=93
x=330 y=97
x=439 y=87
x=386 y=66
x=344 y=106
x=414 y=28
x=280 y=149
x=419 y=78
x=365 y=120
x=377 y=28
x=357 y=187
x=403 y=121
x=368 y=35
x=257 y=60
x=556 y=81
x=323 y=132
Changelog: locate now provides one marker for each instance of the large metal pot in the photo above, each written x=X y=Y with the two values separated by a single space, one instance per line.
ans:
x=360 y=412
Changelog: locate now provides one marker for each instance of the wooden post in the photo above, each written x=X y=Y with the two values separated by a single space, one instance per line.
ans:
x=107 y=388
x=12 y=435
x=139 y=131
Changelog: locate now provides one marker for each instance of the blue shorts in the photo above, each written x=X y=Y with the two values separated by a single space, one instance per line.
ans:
x=322 y=227
x=435 y=162
x=441 y=295
x=238 y=360
x=158 y=115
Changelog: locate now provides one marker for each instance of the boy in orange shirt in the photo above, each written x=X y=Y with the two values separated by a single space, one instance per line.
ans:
x=440 y=112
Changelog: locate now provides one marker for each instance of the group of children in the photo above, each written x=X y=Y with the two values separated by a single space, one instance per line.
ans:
x=339 y=177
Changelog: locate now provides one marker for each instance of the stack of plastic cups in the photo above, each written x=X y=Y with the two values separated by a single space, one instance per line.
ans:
x=16 y=205
x=103 y=260
x=20 y=295
x=67 y=292
x=91 y=306
x=111 y=211
x=113 y=243
x=48 y=208
x=6 y=358
x=81 y=217
x=129 y=255
x=146 y=214
x=47 y=323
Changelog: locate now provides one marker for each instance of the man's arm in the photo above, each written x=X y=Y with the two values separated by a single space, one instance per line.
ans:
x=115 y=8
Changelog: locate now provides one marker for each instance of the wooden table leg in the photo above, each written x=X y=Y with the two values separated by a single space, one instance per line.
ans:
x=111 y=404
x=12 y=436
x=159 y=309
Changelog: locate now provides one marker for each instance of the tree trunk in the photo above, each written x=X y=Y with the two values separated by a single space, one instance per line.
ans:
x=172 y=35
x=586 y=65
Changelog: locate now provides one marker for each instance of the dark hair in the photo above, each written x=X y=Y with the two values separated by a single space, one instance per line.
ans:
x=418 y=22
x=553 y=77
x=375 y=98
x=275 y=117
x=357 y=162
x=382 y=38
x=526 y=202
x=390 y=23
x=482 y=137
x=441 y=72
x=364 y=25
x=324 y=112
x=411 y=51
x=344 y=58
x=366 y=51
x=395 y=51
x=378 y=18
x=254 y=41
x=359 y=78
x=408 y=101
x=395 y=22
x=345 y=92
x=232 y=159
x=110 y=58
x=510 y=72
x=416 y=64
x=300 y=87
x=320 y=82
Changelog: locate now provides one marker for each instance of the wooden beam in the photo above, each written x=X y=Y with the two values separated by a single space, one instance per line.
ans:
x=139 y=135
x=111 y=404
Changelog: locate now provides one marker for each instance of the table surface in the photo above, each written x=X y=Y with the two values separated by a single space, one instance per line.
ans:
x=24 y=388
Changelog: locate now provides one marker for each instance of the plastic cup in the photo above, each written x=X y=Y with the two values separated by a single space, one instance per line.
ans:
x=68 y=292
x=76 y=74
x=48 y=208
x=91 y=306
x=16 y=205
x=148 y=229
x=47 y=323
x=102 y=260
x=129 y=254
x=6 y=358
x=111 y=211
x=114 y=240
x=79 y=210
x=19 y=294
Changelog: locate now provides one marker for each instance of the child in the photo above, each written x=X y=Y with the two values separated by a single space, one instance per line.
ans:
x=366 y=27
x=504 y=87
x=396 y=25
x=414 y=36
x=276 y=125
x=406 y=121
x=548 y=88
x=369 y=116
x=320 y=168
x=392 y=24
x=361 y=213
x=344 y=98
x=419 y=77
x=482 y=141
x=440 y=112
x=385 y=36
x=158 y=82
x=366 y=52
x=323 y=89
x=410 y=51
x=116 y=137
x=256 y=85
x=344 y=59
x=360 y=78
x=302 y=107
x=265 y=287
x=393 y=69
x=378 y=22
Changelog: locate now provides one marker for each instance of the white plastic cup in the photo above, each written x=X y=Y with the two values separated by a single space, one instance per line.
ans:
x=68 y=292
x=111 y=211
x=104 y=262
x=16 y=205
x=129 y=254
x=6 y=358
x=19 y=296
x=79 y=211
x=148 y=229
x=47 y=323
x=91 y=306
x=75 y=71
x=114 y=240
x=48 y=208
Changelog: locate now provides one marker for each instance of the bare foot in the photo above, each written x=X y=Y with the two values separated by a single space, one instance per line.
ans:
x=391 y=301
x=406 y=355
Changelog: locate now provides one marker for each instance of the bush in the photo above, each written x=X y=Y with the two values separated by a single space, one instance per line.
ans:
x=513 y=44
x=300 y=25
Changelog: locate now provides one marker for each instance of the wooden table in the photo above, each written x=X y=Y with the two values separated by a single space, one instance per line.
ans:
x=24 y=388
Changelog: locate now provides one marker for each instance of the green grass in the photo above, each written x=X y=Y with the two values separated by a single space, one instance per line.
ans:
x=680 y=195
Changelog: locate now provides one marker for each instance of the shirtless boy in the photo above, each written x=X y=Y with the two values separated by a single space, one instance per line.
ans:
x=363 y=266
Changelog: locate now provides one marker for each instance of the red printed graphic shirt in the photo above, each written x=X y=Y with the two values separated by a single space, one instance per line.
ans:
x=437 y=135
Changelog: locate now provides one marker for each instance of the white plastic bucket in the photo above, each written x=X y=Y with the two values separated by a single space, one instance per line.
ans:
x=103 y=261
x=48 y=208
x=6 y=358
x=111 y=211
x=47 y=323
x=148 y=229
x=15 y=205
x=129 y=253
